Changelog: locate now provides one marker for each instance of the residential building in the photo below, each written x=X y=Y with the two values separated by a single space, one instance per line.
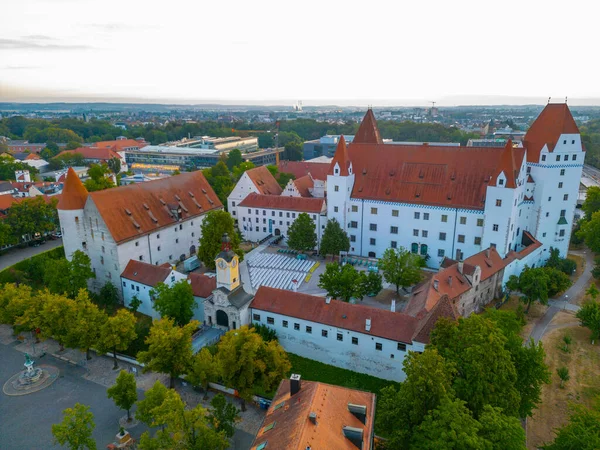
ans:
x=312 y=415
x=258 y=180
x=156 y=222
x=222 y=144
x=97 y=155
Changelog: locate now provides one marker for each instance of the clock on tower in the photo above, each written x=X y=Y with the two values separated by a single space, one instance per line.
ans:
x=228 y=272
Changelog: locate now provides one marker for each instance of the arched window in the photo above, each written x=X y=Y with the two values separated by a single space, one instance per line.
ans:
x=414 y=247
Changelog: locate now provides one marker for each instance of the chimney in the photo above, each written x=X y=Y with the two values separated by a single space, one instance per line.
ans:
x=313 y=417
x=393 y=307
x=487 y=252
x=328 y=299
x=435 y=284
x=358 y=411
x=460 y=267
x=295 y=384
x=450 y=281
x=368 y=324
x=354 y=435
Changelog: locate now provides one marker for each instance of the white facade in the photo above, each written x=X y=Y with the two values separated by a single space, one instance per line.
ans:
x=355 y=351
x=241 y=190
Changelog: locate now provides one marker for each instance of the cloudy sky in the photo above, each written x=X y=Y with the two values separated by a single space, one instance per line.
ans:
x=319 y=51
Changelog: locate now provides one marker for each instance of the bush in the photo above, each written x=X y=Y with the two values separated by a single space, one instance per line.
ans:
x=31 y=270
x=266 y=333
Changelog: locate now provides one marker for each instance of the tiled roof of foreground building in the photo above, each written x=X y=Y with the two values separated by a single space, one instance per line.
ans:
x=74 y=193
x=264 y=181
x=301 y=204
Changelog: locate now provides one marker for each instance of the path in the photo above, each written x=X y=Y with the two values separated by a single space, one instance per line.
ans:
x=16 y=255
x=572 y=294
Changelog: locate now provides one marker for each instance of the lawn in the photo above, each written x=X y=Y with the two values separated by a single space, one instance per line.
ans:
x=583 y=362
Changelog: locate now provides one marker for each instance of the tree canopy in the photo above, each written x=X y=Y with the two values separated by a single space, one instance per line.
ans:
x=401 y=267
x=537 y=284
x=75 y=430
x=589 y=317
x=582 y=432
x=334 y=239
x=69 y=277
x=214 y=225
x=176 y=301
x=117 y=333
x=31 y=216
x=302 y=234
x=124 y=392
x=343 y=282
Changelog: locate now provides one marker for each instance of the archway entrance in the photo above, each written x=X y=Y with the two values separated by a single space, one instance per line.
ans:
x=222 y=319
x=277 y=232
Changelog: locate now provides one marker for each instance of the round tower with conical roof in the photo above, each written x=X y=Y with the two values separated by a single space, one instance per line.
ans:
x=71 y=215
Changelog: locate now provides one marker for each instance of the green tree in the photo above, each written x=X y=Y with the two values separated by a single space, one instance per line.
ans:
x=223 y=415
x=57 y=317
x=334 y=239
x=72 y=145
x=153 y=398
x=124 y=392
x=32 y=216
x=69 y=277
x=114 y=164
x=14 y=300
x=343 y=282
x=134 y=304
x=590 y=232
x=294 y=151
x=169 y=348
x=75 y=431
x=246 y=362
x=203 y=370
x=117 y=333
x=176 y=301
x=401 y=267
x=98 y=180
x=534 y=285
x=449 y=426
x=372 y=283
x=558 y=280
x=7 y=237
x=214 y=225
x=565 y=265
x=486 y=372
x=240 y=169
x=302 y=235
x=582 y=432
x=589 y=317
x=85 y=330
x=267 y=333
x=593 y=291
x=108 y=297
x=234 y=158
x=591 y=204
x=563 y=374
x=501 y=432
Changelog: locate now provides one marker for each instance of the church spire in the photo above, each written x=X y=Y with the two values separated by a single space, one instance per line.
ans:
x=368 y=133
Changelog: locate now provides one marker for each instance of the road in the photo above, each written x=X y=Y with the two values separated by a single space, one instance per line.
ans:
x=16 y=255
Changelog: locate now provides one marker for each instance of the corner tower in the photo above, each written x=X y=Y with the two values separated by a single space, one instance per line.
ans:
x=71 y=215
x=340 y=181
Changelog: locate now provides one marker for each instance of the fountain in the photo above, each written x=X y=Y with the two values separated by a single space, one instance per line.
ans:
x=31 y=379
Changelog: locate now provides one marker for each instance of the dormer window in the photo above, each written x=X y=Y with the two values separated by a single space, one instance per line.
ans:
x=501 y=182
x=337 y=171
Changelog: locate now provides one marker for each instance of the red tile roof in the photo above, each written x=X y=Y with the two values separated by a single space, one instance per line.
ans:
x=32 y=156
x=119 y=144
x=368 y=132
x=299 y=169
x=145 y=273
x=294 y=431
x=137 y=209
x=489 y=261
x=6 y=201
x=301 y=204
x=264 y=181
x=386 y=324
x=202 y=285
x=443 y=308
x=554 y=120
x=530 y=244
x=303 y=185
x=74 y=193
x=101 y=154
x=510 y=164
x=340 y=158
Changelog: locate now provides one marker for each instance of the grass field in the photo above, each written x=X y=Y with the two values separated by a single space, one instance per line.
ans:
x=583 y=362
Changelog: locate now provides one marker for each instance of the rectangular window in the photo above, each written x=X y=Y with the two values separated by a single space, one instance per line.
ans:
x=498 y=202
x=101 y=259
x=442 y=236
x=373 y=227
x=394 y=230
x=256 y=317
x=336 y=188
x=549 y=199
x=561 y=233
x=461 y=238
x=441 y=252
x=543 y=157
x=417 y=215
x=425 y=216
x=558 y=157
x=352 y=238
x=355 y=340
x=477 y=241
x=340 y=337
x=415 y=232
x=565 y=197
x=401 y=346
x=372 y=241
x=158 y=248
x=264 y=212
x=354 y=208
x=424 y=233
x=444 y=218
x=562 y=172
x=249 y=211
x=284 y=323
x=479 y=222
x=560 y=185
x=574 y=157
x=287 y=215
x=463 y=220
x=335 y=209
x=280 y=213
x=308 y=329
x=324 y=333
x=297 y=326
x=177 y=241
x=394 y=244
x=566 y=158
x=374 y=211
x=137 y=244
x=293 y=215
x=378 y=346
x=394 y=213
x=563 y=212
x=270 y=321
x=495 y=227
x=354 y=224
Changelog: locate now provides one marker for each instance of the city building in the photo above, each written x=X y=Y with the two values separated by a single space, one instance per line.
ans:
x=324 y=146
x=311 y=415
x=97 y=155
x=140 y=178
x=222 y=145
x=18 y=146
x=156 y=222
x=257 y=180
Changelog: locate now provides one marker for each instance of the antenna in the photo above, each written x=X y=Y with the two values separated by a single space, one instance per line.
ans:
x=549 y=99
x=433 y=104
x=565 y=99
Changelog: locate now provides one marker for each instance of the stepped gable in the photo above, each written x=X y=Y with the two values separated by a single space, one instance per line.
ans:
x=74 y=193
x=554 y=120
x=137 y=209
x=301 y=204
x=341 y=158
x=368 y=132
x=510 y=163
x=264 y=181
x=317 y=170
x=384 y=323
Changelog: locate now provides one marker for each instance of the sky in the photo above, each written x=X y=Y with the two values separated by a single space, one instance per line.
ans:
x=376 y=52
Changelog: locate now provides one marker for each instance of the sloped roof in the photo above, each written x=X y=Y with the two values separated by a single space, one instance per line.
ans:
x=368 y=132
x=294 y=431
x=32 y=156
x=137 y=209
x=530 y=244
x=300 y=204
x=74 y=193
x=554 y=120
x=264 y=181
x=303 y=185
x=340 y=158
x=386 y=324
x=443 y=308
x=102 y=154
x=202 y=285
x=317 y=170
x=6 y=201
x=119 y=144
x=145 y=273
x=489 y=261
x=510 y=164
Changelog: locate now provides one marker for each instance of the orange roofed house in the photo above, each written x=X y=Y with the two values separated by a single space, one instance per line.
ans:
x=155 y=222
x=311 y=415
